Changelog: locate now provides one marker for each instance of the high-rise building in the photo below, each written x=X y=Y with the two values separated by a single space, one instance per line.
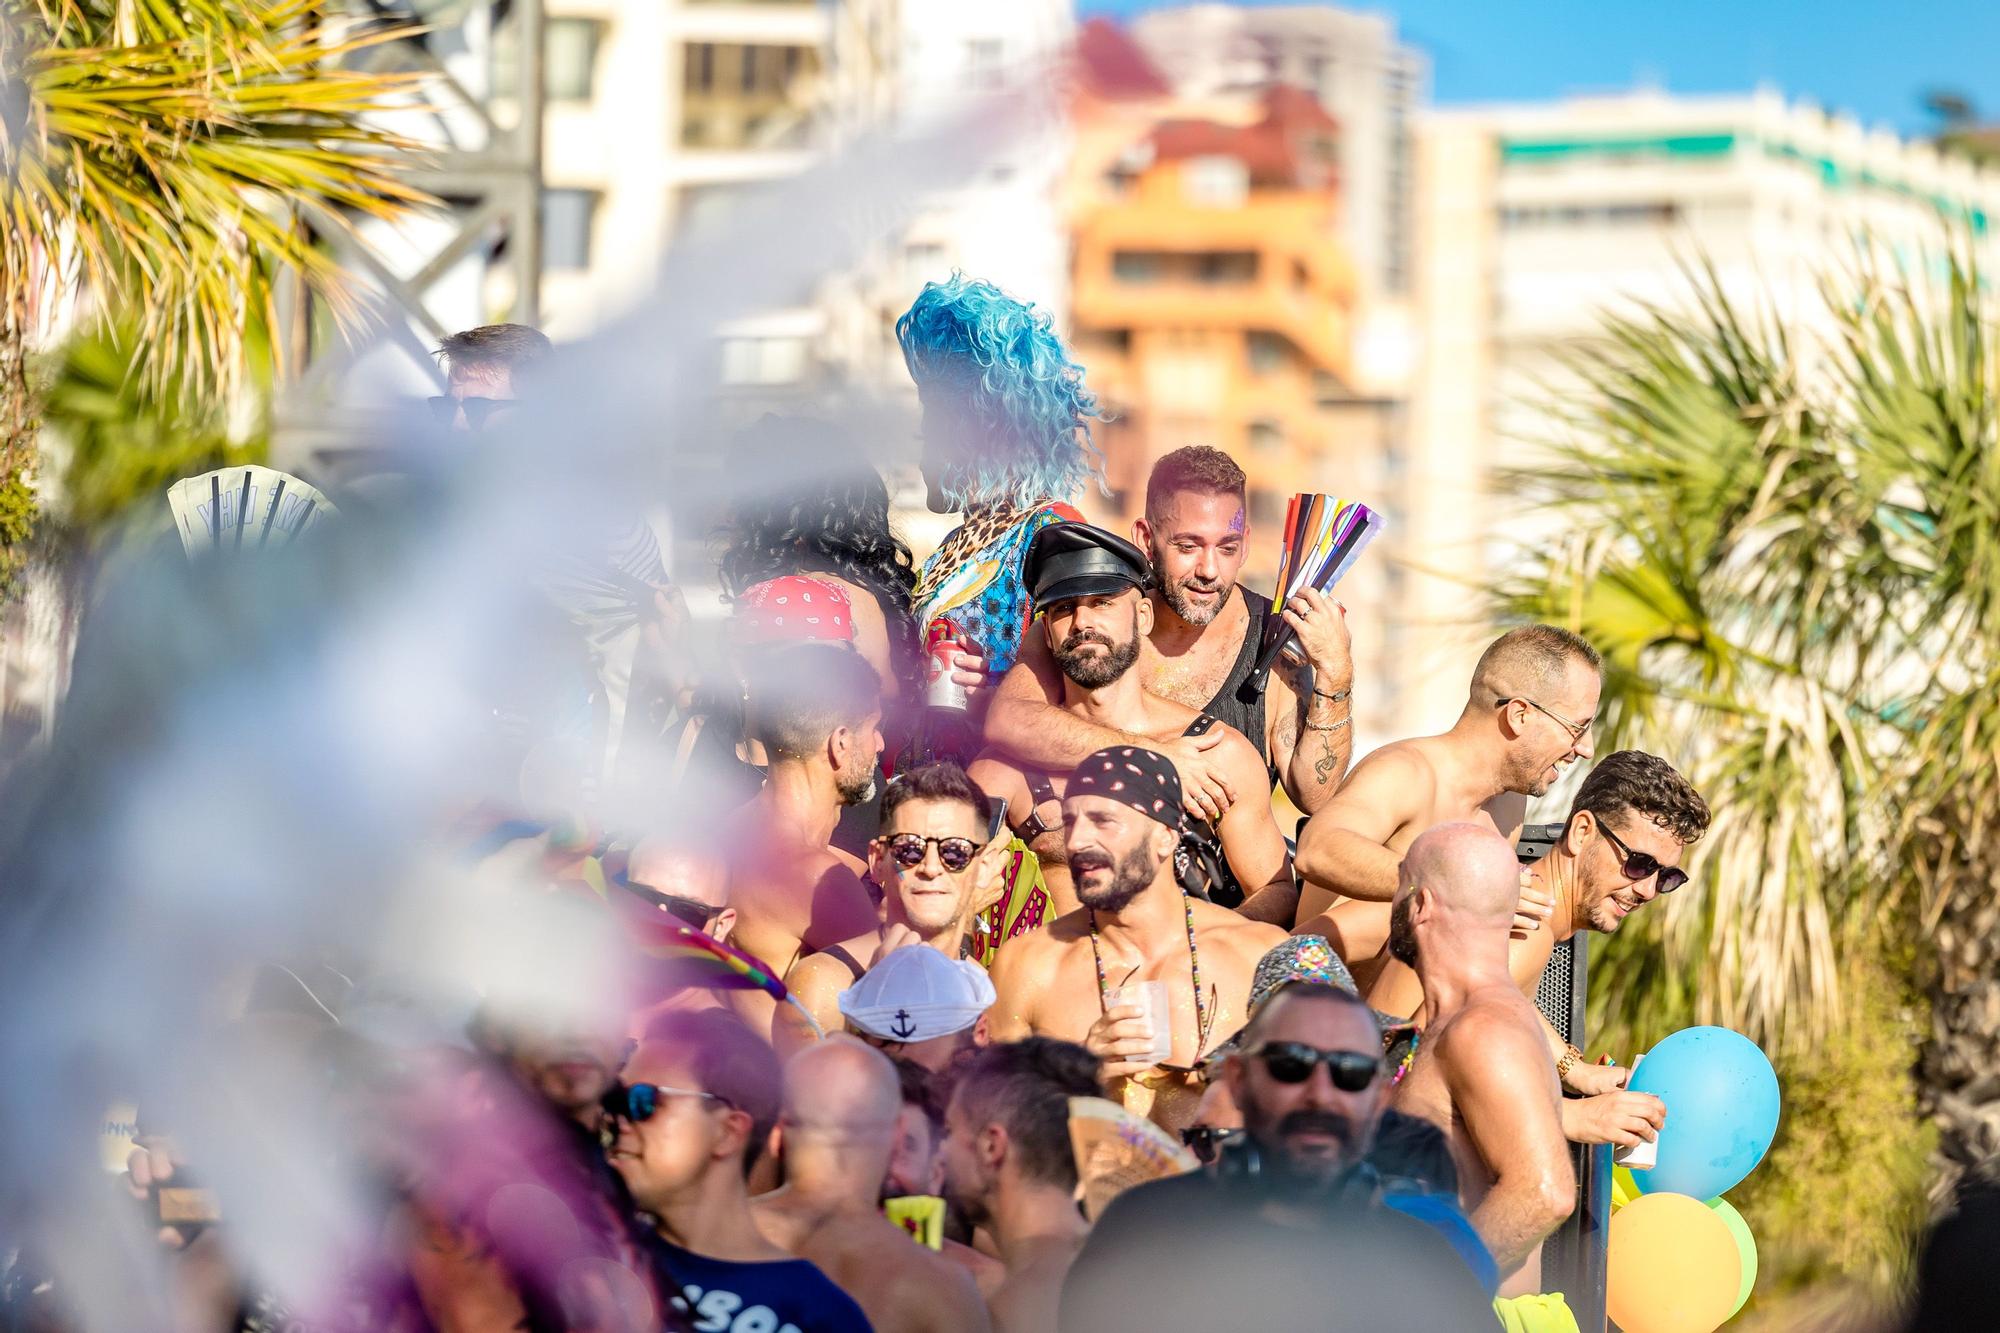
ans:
x=1368 y=81
x=1536 y=221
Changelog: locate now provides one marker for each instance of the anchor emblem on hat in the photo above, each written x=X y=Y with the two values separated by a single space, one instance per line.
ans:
x=903 y=1028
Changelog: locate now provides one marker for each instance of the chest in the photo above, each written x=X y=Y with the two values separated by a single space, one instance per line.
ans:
x=1193 y=677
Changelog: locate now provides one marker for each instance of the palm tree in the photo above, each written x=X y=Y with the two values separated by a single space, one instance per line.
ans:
x=156 y=160
x=1786 y=541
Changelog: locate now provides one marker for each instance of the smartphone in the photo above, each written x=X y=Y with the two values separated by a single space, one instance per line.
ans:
x=999 y=824
x=180 y=1202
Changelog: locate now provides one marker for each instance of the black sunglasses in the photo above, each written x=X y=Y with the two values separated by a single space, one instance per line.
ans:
x=1638 y=865
x=477 y=410
x=1206 y=1141
x=1293 y=1061
x=954 y=853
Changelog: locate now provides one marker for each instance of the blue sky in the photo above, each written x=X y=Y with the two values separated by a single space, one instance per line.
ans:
x=1874 y=58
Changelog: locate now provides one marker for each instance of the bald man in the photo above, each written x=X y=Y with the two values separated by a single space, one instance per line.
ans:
x=1481 y=1070
x=835 y=1137
x=1527 y=716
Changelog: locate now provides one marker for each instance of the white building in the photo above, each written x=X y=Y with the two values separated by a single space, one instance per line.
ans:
x=1535 y=221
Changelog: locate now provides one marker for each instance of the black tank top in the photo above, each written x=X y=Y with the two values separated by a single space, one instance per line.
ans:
x=1240 y=699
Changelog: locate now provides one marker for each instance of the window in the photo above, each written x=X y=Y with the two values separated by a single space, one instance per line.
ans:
x=923 y=261
x=1137 y=266
x=1226 y=268
x=1267 y=508
x=763 y=361
x=1217 y=182
x=698 y=65
x=569 y=48
x=567 y=220
x=1524 y=216
x=982 y=63
x=1267 y=352
x=1266 y=437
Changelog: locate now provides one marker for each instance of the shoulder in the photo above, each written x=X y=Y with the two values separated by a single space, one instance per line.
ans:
x=1157 y=1205
x=1496 y=1026
x=823 y=972
x=994 y=775
x=832 y=1310
x=1235 y=933
x=1398 y=760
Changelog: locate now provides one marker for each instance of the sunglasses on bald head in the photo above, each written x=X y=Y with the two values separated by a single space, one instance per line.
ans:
x=1639 y=865
x=909 y=849
x=1293 y=1061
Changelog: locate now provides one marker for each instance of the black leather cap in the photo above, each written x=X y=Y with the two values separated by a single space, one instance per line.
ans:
x=1067 y=560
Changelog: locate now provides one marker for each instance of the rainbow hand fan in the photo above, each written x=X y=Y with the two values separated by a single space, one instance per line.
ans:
x=1324 y=536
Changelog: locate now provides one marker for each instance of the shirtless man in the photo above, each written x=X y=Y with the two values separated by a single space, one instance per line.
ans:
x=1199 y=652
x=1528 y=716
x=835 y=1136
x=1121 y=813
x=1088 y=584
x=1481 y=1069
x=817 y=710
x=937 y=873
x=1633 y=820
x=1009 y=1169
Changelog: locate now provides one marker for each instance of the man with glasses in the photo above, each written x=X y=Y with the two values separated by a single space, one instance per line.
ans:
x=698 y=1101
x=835 y=1138
x=1010 y=1170
x=1287 y=1229
x=937 y=872
x=1633 y=820
x=1527 y=717
x=1480 y=1069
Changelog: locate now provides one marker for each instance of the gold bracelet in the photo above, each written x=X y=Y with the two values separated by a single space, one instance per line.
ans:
x=1570 y=1056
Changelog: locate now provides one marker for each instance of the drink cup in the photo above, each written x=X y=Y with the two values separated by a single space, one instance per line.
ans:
x=943 y=642
x=1644 y=1155
x=1150 y=997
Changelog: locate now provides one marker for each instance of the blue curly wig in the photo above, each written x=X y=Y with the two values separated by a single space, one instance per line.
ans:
x=1014 y=384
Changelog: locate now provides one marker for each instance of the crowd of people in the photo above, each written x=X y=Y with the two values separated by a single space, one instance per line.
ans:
x=1002 y=826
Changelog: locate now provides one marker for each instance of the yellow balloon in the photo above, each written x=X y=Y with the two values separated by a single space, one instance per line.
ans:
x=1673 y=1266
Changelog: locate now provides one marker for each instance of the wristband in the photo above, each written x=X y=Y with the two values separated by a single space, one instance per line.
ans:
x=1338 y=696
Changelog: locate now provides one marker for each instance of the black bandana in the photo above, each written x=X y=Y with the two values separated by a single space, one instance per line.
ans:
x=1142 y=779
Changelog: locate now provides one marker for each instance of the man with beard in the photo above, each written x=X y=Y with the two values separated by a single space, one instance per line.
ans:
x=1009 y=1168
x=1632 y=820
x=1287 y=1229
x=937 y=872
x=1122 y=813
x=1088 y=584
x=1527 y=717
x=835 y=1137
x=1480 y=1070
x=817 y=710
x=1199 y=652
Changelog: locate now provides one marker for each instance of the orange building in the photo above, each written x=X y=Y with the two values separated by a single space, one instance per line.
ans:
x=1210 y=297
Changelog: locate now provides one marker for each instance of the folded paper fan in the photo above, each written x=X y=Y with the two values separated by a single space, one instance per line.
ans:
x=1323 y=537
x=244 y=508
x=1116 y=1150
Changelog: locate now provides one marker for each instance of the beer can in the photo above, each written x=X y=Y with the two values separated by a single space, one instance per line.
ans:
x=943 y=642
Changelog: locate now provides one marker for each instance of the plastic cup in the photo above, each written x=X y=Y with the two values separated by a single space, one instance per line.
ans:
x=1150 y=998
x=1645 y=1154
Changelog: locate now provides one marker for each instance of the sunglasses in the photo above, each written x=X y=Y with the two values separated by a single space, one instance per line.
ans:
x=1293 y=1061
x=1575 y=729
x=1206 y=1141
x=954 y=854
x=687 y=911
x=639 y=1102
x=1638 y=865
x=477 y=410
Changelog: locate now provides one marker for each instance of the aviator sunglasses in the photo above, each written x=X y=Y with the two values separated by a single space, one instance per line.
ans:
x=1638 y=865
x=1293 y=1061
x=954 y=853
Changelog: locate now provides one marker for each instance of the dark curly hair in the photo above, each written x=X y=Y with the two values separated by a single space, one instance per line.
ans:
x=815 y=506
x=1647 y=785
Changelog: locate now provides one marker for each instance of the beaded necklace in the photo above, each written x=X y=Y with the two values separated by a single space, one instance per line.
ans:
x=1409 y=1058
x=1201 y=1015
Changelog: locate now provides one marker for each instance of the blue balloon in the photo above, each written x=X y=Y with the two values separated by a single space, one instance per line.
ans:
x=1722 y=1111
